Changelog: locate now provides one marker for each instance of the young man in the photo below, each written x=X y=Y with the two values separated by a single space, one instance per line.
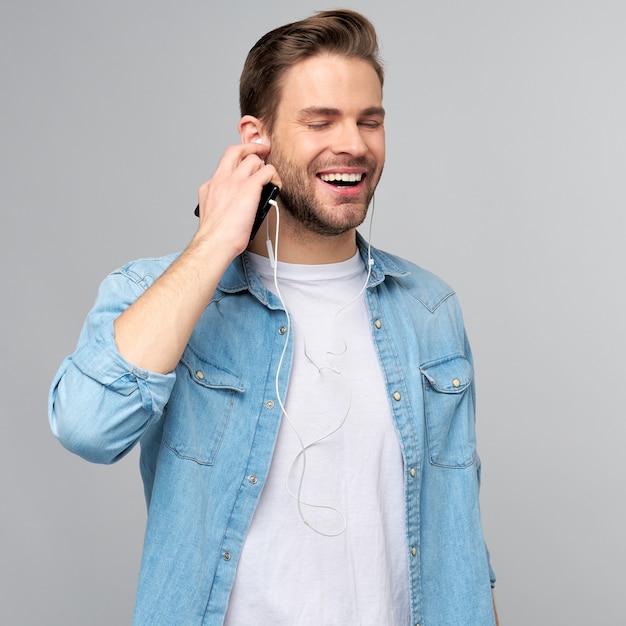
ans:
x=306 y=421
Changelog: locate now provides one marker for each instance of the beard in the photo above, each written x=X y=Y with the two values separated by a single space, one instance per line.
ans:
x=297 y=194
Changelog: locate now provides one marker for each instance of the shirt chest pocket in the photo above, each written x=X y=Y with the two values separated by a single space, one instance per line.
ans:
x=199 y=408
x=449 y=411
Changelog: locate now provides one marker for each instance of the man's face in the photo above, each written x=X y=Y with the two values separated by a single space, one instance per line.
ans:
x=328 y=142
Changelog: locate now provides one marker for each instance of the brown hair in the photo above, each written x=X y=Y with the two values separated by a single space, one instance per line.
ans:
x=343 y=32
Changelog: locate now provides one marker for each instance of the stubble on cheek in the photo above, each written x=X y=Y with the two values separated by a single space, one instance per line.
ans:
x=300 y=198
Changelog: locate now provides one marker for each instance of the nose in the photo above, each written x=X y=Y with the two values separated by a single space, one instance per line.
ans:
x=348 y=139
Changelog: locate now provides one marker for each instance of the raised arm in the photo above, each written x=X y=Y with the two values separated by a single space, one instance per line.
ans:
x=153 y=331
x=117 y=382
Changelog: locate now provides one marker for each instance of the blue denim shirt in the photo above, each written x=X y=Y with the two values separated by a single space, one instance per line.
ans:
x=207 y=433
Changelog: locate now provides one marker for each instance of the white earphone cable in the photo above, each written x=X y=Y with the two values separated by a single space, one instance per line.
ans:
x=302 y=453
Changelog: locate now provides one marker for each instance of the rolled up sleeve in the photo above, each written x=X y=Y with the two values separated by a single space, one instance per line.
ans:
x=100 y=404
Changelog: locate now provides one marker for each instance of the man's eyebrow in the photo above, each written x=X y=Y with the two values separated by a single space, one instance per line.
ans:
x=332 y=112
x=375 y=111
x=324 y=111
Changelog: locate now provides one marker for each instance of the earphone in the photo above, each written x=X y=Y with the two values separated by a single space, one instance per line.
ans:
x=273 y=252
x=301 y=455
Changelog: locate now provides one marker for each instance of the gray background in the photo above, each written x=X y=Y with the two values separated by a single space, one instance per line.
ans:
x=505 y=175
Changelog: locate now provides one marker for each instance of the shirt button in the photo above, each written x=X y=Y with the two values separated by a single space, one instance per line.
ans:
x=396 y=395
x=226 y=556
x=200 y=375
x=412 y=472
x=253 y=479
x=282 y=330
x=378 y=324
x=456 y=382
x=269 y=404
x=413 y=550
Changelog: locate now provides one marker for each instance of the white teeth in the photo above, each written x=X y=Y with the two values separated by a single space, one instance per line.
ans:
x=344 y=178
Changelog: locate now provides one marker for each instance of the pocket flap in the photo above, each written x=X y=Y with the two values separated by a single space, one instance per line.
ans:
x=450 y=375
x=209 y=374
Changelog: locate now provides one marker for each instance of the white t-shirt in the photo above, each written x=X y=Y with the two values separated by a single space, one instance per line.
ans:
x=291 y=573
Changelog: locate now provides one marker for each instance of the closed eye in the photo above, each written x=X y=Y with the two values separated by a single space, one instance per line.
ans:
x=318 y=125
x=372 y=124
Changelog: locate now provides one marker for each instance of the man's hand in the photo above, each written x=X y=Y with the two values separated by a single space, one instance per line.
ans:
x=495 y=610
x=229 y=200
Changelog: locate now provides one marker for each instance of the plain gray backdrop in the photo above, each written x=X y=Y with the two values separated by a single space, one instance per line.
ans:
x=505 y=175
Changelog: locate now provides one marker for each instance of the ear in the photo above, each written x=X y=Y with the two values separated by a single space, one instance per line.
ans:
x=251 y=130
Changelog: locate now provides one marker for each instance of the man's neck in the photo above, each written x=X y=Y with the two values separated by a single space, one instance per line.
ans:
x=296 y=245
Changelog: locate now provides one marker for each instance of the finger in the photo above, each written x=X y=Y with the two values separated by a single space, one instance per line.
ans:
x=268 y=174
x=234 y=155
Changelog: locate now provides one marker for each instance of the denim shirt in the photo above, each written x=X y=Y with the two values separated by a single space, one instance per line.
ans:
x=207 y=433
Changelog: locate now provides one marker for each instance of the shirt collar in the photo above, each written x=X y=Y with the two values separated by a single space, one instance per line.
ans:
x=241 y=275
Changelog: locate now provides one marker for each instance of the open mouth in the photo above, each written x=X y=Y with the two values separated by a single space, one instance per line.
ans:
x=342 y=179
